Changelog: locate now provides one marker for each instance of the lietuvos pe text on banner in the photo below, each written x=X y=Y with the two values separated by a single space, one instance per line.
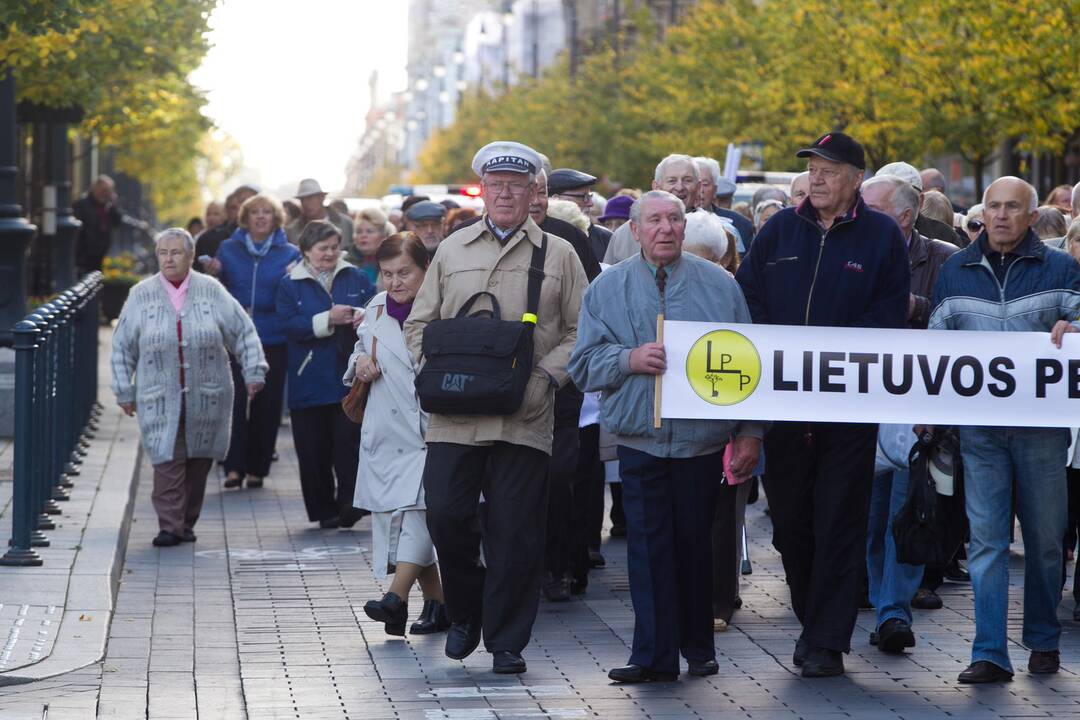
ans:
x=777 y=372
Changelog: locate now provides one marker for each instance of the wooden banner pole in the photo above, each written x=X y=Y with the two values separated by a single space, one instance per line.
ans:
x=659 y=378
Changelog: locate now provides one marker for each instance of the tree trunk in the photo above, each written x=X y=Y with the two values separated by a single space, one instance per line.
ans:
x=978 y=162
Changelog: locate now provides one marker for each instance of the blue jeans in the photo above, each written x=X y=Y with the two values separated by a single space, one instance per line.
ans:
x=1032 y=459
x=892 y=584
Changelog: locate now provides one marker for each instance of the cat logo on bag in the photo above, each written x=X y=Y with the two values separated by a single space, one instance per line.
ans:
x=455 y=382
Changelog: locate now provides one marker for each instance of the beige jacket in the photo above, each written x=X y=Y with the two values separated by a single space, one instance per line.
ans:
x=472 y=260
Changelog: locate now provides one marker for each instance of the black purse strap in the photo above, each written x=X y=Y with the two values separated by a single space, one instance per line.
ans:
x=536 y=279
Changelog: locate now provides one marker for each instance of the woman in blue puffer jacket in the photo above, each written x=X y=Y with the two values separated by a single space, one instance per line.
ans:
x=319 y=306
x=250 y=265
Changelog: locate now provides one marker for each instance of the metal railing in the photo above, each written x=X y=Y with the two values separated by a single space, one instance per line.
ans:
x=56 y=373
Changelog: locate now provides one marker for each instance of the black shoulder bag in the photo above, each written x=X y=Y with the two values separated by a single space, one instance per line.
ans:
x=476 y=365
x=914 y=528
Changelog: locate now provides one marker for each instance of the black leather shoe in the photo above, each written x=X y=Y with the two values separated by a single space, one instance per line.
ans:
x=188 y=536
x=556 y=589
x=391 y=611
x=596 y=560
x=702 y=669
x=432 y=619
x=351 y=516
x=894 y=635
x=254 y=482
x=579 y=585
x=233 y=482
x=822 y=662
x=1044 y=662
x=462 y=639
x=1076 y=613
x=329 y=523
x=799 y=656
x=505 y=662
x=166 y=539
x=617 y=531
x=639 y=674
x=926 y=599
x=956 y=572
x=982 y=672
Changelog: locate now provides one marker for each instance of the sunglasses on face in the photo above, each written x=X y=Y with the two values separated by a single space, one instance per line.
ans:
x=975 y=226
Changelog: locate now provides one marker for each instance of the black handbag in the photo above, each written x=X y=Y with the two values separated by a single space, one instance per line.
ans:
x=915 y=529
x=477 y=365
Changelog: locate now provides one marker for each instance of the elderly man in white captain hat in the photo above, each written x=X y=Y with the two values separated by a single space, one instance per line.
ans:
x=924 y=225
x=505 y=457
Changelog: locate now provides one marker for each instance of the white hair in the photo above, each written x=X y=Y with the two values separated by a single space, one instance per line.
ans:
x=707 y=164
x=1076 y=200
x=765 y=205
x=1033 y=204
x=176 y=232
x=635 y=209
x=658 y=176
x=568 y=212
x=707 y=230
x=974 y=211
x=904 y=195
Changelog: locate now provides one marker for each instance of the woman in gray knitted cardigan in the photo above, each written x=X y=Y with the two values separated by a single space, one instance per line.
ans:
x=170 y=365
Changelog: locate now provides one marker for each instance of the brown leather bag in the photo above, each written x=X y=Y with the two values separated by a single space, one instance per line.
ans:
x=355 y=403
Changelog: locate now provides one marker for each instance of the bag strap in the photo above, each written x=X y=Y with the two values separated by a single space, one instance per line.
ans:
x=375 y=340
x=495 y=311
x=536 y=279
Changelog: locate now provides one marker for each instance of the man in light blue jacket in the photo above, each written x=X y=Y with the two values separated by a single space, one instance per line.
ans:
x=670 y=475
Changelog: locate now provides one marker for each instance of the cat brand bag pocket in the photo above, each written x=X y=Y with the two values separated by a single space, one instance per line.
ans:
x=477 y=365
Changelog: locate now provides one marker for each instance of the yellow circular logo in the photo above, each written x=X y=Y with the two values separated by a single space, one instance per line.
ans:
x=723 y=367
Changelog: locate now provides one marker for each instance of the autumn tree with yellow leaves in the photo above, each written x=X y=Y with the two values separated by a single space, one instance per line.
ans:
x=126 y=63
x=905 y=77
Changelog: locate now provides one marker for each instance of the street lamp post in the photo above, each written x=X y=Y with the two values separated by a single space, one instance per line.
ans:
x=66 y=226
x=15 y=232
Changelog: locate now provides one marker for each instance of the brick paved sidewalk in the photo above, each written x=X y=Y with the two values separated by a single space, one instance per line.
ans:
x=262 y=618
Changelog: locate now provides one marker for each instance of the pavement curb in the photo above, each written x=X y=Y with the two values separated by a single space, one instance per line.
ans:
x=95 y=573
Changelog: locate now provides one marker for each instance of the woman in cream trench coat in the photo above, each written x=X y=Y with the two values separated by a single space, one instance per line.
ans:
x=392 y=449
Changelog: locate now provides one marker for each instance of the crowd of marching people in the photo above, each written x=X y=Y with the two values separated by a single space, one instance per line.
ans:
x=474 y=380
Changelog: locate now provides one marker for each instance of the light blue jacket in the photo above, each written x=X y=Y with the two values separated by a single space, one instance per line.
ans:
x=618 y=314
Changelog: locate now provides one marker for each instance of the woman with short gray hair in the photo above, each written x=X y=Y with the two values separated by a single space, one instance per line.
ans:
x=170 y=364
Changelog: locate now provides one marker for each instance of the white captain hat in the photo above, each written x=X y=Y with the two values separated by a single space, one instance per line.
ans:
x=506 y=156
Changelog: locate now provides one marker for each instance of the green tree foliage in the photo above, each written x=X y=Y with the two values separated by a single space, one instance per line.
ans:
x=905 y=77
x=126 y=62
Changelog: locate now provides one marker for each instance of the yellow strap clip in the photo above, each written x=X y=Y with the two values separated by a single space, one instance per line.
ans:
x=528 y=318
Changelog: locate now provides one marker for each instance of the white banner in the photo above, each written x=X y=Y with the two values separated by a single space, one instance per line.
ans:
x=935 y=377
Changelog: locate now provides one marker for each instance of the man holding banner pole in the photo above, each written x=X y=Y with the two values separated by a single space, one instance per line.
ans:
x=1009 y=280
x=832 y=261
x=671 y=474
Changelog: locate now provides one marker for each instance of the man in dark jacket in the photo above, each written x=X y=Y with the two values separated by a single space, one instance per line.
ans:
x=833 y=262
x=99 y=213
x=714 y=185
x=893 y=584
x=576 y=186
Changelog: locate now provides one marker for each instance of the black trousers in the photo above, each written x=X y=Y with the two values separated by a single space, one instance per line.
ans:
x=254 y=434
x=670 y=504
x=327 y=443
x=574 y=456
x=1072 y=475
x=505 y=594
x=726 y=561
x=818 y=477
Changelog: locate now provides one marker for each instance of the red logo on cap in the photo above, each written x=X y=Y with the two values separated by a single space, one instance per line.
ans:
x=825 y=139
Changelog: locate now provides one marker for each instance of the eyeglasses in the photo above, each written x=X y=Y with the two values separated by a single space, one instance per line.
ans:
x=577 y=196
x=515 y=189
x=975 y=226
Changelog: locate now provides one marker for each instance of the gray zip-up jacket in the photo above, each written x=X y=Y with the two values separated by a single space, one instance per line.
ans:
x=618 y=314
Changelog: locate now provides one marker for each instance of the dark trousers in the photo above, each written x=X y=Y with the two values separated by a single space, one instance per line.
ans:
x=574 y=455
x=254 y=432
x=1072 y=477
x=726 y=562
x=818 y=477
x=669 y=505
x=505 y=595
x=327 y=442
